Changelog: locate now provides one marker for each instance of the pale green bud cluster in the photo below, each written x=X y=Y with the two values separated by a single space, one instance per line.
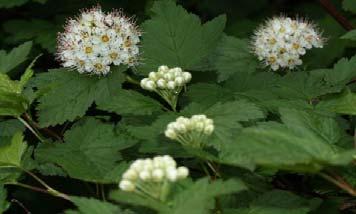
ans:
x=152 y=177
x=190 y=131
x=166 y=82
x=166 y=79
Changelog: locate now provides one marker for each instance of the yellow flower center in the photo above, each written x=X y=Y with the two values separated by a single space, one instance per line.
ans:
x=127 y=43
x=272 y=59
x=88 y=50
x=98 y=66
x=105 y=38
x=85 y=34
x=272 y=41
x=113 y=55
x=296 y=46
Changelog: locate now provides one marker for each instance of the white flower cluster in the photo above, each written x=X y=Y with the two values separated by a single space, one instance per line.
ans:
x=95 y=40
x=190 y=131
x=166 y=79
x=281 y=41
x=151 y=176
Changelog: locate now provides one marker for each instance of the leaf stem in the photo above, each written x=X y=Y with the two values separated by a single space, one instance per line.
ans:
x=37 y=189
x=49 y=189
x=37 y=134
x=338 y=181
x=35 y=125
x=332 y=10
x=131 y=80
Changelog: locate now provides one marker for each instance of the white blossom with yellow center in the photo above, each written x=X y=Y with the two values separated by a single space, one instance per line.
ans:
x=95 y=40
x=281 y=41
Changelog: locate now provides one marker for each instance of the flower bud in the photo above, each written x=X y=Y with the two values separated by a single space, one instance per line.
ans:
x=171 y=85
x=161 y=83
x=127 y=186
x=172 y=174
x=182 y=172
x=163 y=68
x=179 y=81
x=170 y=134
x=150 y=85
x=145 y=175
x=157 y=175
x=152 y=75
x=187 y=76
x=130 y=175
x=208 y=129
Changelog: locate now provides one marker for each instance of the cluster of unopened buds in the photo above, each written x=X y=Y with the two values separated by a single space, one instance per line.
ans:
x=281 y=41
x=153 y=177
x=94 y=41
x=166 y=82
x=190 y=131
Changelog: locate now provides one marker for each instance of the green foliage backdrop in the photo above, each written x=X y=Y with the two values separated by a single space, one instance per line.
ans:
x=284 y=142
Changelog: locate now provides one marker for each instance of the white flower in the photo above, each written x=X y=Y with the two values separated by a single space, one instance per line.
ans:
x=190 y=131
x=95 y=40
x=281 y=41
x=151 y=176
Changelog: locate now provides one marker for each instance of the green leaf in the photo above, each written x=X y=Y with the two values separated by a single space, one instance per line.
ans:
x=15 y=57
x=175 y=37
x=351 y=35
x=344 y=103
x=90 y=152
x=11 y=154
x=227 y=117
x=8 y=129
x=138 y=200
x=11 y=3
x=349 y=5
x=305 y=142
x=4 y=205
x=281 y=202
x=94 y=206
x=199 y=196
x=129 y=102
x=151 y=135
x=233 y=55
x=41 y=31
x=199 y=93
x=71 y=94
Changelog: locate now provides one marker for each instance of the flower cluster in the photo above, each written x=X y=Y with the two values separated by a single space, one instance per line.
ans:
x=281 y=41
x=95 y=40
x=152 y=177
x=166 y=82
x=190 y=131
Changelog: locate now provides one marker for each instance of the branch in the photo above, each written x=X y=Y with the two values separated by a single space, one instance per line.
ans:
x=332 y=10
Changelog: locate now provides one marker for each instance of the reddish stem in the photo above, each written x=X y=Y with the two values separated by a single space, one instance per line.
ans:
x=332 y=10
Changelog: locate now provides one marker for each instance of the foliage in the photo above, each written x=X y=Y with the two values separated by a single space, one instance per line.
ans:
x=283 y=141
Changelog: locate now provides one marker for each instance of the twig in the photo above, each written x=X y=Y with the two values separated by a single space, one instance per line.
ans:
x=36 y=133
x=48 y=131
x=21 y=205
x=332 y=10
x=338 y=181
x=37 y=189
